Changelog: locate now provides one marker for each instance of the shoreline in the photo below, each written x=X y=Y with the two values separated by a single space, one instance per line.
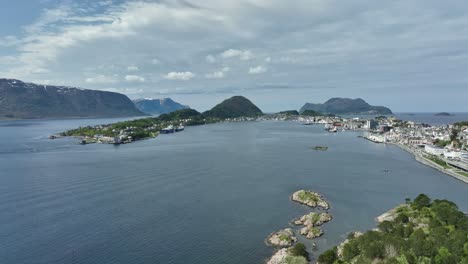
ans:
x=431 y=164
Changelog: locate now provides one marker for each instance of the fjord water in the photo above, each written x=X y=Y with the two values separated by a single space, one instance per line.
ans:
x=210 y=194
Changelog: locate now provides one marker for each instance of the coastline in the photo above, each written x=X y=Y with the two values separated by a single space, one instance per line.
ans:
x=431 y=164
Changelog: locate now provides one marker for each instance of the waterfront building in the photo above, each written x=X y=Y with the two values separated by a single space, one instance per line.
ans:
x=371 y=124
x=453 y=154
x=415 y=141
x=434 y=150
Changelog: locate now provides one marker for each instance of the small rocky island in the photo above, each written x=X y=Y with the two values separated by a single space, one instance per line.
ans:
x=311 y=222
x=443 y=114
x=282 y=238
x=310 y=198
x=292 y=252
x=321 y=148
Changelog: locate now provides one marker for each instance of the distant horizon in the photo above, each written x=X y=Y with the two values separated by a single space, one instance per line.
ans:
x=223 y=96
x=276 y=53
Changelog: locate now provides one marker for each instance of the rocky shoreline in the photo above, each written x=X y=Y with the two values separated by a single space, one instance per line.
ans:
x=286 y=239
x=431 y=164
x=282 y=238
x=311 y=222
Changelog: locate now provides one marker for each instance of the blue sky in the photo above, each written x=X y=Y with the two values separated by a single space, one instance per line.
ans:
x=407 y=55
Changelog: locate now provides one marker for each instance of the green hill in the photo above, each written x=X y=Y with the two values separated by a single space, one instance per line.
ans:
x=311 y=113
x=421 y=231
x=344 y=106
x=179 y=115
x=236 y=106
x=289 y=113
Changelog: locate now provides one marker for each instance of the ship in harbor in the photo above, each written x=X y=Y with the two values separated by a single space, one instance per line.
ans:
x=168 y=130
x=171 y=129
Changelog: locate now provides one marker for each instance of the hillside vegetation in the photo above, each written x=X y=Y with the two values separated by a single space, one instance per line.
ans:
x=346 y=106
x=236 y=106
x=422 y=231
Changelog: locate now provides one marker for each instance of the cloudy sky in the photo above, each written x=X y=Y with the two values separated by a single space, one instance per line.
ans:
x=408 y=55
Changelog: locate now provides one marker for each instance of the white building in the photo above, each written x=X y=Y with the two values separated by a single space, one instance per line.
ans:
x=377 y=138
x=415 y=141
x=464 y=157
x=434 y=150
x=453 y=154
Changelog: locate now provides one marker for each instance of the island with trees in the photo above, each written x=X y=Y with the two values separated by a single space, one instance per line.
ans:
x=443 y=114
x=236 y=108
x=310 y=198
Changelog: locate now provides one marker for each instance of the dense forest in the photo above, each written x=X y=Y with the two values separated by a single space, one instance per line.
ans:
x=421 y=231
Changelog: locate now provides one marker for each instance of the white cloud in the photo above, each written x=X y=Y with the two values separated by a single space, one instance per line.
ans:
x=218 y=74
x=40 y=70
x=132 y=68
x=210 y=58
x=9 y=41
x=134 y=78
x=215 y=75
x=101 y=79
x=326 y=42
x=241 y=54
x=181 y=76
x=257 y=70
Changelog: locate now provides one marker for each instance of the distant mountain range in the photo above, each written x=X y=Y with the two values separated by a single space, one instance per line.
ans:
x=346 y=106
x=158 y=106
x=236 y=106
x=20 y=100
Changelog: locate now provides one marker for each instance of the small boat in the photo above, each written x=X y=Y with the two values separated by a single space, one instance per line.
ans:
x=333 y=130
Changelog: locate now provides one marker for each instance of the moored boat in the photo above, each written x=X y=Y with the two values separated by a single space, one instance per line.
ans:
x=168 y=130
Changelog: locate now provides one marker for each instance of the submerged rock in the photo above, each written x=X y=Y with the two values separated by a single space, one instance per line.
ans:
x=310 y=198
x=282 y=238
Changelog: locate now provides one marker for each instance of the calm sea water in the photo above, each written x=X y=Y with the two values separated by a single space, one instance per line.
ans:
x=427 y=118
x=210 y=194
x=432 y=119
